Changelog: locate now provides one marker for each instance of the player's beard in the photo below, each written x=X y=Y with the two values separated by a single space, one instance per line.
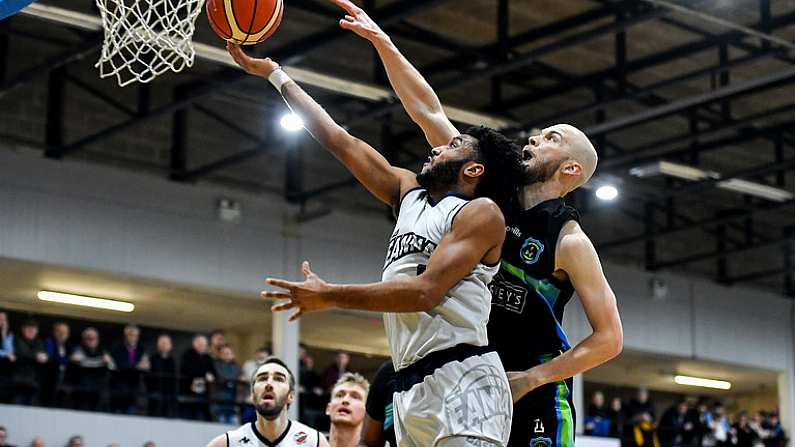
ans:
x=540 y=172
x=272 y=412
x=441 y=176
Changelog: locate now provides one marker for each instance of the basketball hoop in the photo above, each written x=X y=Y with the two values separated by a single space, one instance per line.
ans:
x=145 y=38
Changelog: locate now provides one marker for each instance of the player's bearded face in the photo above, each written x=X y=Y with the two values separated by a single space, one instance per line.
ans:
x=539 y=169
x=441 y=175
x=269 y=401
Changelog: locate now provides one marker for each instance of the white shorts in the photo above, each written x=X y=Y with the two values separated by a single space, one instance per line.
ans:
x=469 y=398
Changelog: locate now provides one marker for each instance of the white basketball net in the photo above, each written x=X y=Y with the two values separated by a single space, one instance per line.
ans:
x=145 y=38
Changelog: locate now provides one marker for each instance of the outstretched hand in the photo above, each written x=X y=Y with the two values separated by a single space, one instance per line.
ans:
x=310 y=295
x=256 y=67
x=357 y=20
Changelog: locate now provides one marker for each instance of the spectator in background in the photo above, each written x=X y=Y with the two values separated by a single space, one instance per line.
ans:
x=346 y=410
x=641 y=404
x=198 y=372
x=250 y=365
x=597 y=422
x=676 y=428
x=336 y=370
x=745 y=435
x=618 y=418
x=30 y=356
x=75 y=441
x=6 y=358
x=37 y=442
x=720 y=432
x=310 y=389
x=228 y=371
x=58 y=352
x=131 y=361
x=4 y=437
x=645 y=431
x=217 y=342
x=162 y=378
x=93 y=364
x=775 y=433
x=150 y=444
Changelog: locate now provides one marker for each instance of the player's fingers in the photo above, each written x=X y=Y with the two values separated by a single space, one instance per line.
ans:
x=349 y=18
x=296 y=315
x=280 y=283
x=305 y=269
x=283 y=306
x=347 y=6
x=275 y=295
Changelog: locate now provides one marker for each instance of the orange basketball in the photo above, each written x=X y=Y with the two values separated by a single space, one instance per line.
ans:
x=244 y=21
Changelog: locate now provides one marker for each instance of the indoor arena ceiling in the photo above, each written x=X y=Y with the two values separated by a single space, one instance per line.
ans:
x=709 y=87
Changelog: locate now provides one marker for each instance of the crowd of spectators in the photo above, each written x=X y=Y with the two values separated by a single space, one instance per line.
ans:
x=37 y=441
x=206 y=382
x=688 y=423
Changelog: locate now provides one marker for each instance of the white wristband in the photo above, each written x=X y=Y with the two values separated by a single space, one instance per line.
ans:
x=278 y=78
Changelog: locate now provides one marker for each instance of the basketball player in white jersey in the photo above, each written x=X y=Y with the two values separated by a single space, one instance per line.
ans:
x=451 y=389
x=272 y=391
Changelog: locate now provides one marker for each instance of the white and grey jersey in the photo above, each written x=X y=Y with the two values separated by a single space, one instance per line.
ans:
x=463 y=313
x=295 y=435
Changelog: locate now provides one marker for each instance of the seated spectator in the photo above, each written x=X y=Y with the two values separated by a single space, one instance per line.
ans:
x=250 y=365
x=75 y=441
x=346 y=410
x=745 y=435
x=6 y=358
x=130 y=360
x=58 y=352
x=675 y=426
x=217 y=342
x=720 y=432
x=197 y=371
x=618 y=419
x=150 y=444
x=310 y=391
x=775 y=433
x=161 y=382
x=37 y=442
x=336 y=370
x=641 y=404
x=4 y=437
x=228 y=371
x=596 y=421
x=645 y=431
x=90 y=364
x=30 y=356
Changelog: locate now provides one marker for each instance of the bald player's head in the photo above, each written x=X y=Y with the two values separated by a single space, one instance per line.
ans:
x=560 y=152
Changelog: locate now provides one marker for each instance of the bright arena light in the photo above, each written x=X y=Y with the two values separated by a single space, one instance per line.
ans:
x=292 y=122
x=87 y=301
x=607 y=192
x=705 y=383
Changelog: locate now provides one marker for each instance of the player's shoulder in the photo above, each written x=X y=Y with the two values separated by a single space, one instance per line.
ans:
x=483 y=211
x=572 y=239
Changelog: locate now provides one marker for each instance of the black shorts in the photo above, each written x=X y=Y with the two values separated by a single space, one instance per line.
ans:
x=544 y=418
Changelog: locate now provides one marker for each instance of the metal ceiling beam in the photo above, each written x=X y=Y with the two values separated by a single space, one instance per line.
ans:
x=386 y=16
x=314 y=193
x=717 y=253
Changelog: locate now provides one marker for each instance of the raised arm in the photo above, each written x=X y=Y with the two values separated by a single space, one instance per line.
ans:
x=384 y=181
x=416 y=95
x=577 y=257
x=477 y=235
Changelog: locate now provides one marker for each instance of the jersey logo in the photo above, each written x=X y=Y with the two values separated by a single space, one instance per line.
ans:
x=539 y=428
x=245 y=440
x=507 y=295
x=300 y=437
x=540 y=442
x=407 y=244
x=531 y=251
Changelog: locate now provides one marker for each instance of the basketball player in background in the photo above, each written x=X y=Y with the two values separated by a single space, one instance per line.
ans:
x=452 y=389
x=272 y=391
x=546 y=257
x=346 y=410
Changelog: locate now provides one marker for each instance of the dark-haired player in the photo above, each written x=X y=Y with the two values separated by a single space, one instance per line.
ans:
x=545 y=258
x=272 y=391
x=452 y=389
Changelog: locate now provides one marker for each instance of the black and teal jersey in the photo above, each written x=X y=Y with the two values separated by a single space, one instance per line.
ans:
x=525 y=325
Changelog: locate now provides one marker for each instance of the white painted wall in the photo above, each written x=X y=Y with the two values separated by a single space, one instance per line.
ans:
x=57 y=426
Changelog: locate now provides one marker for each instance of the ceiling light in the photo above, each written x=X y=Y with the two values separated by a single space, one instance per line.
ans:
x=87 y=301
x=607 y=192
x=292 y=122
x=705 y=383
x=756 y=189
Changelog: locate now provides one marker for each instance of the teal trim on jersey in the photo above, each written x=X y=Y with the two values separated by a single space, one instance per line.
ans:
x=565 y=432
x=389 y=420
x=548 y=293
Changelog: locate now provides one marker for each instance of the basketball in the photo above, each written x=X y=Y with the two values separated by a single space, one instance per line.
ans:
x=244 y=22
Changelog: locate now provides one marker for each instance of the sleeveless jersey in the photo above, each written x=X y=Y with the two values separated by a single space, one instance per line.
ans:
x=295 y=435
x=525 y=327
x=463 y=313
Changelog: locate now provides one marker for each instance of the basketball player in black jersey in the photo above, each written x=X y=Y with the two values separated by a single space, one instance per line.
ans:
x=546 y=257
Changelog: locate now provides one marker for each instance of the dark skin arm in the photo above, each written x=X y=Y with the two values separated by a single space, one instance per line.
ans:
x=477 y=235
x=373 y=432
x=386 y=182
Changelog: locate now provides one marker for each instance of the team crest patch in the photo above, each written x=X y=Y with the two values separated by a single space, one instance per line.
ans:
x=531 y=251
x=300 y=437
x=540 y=442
